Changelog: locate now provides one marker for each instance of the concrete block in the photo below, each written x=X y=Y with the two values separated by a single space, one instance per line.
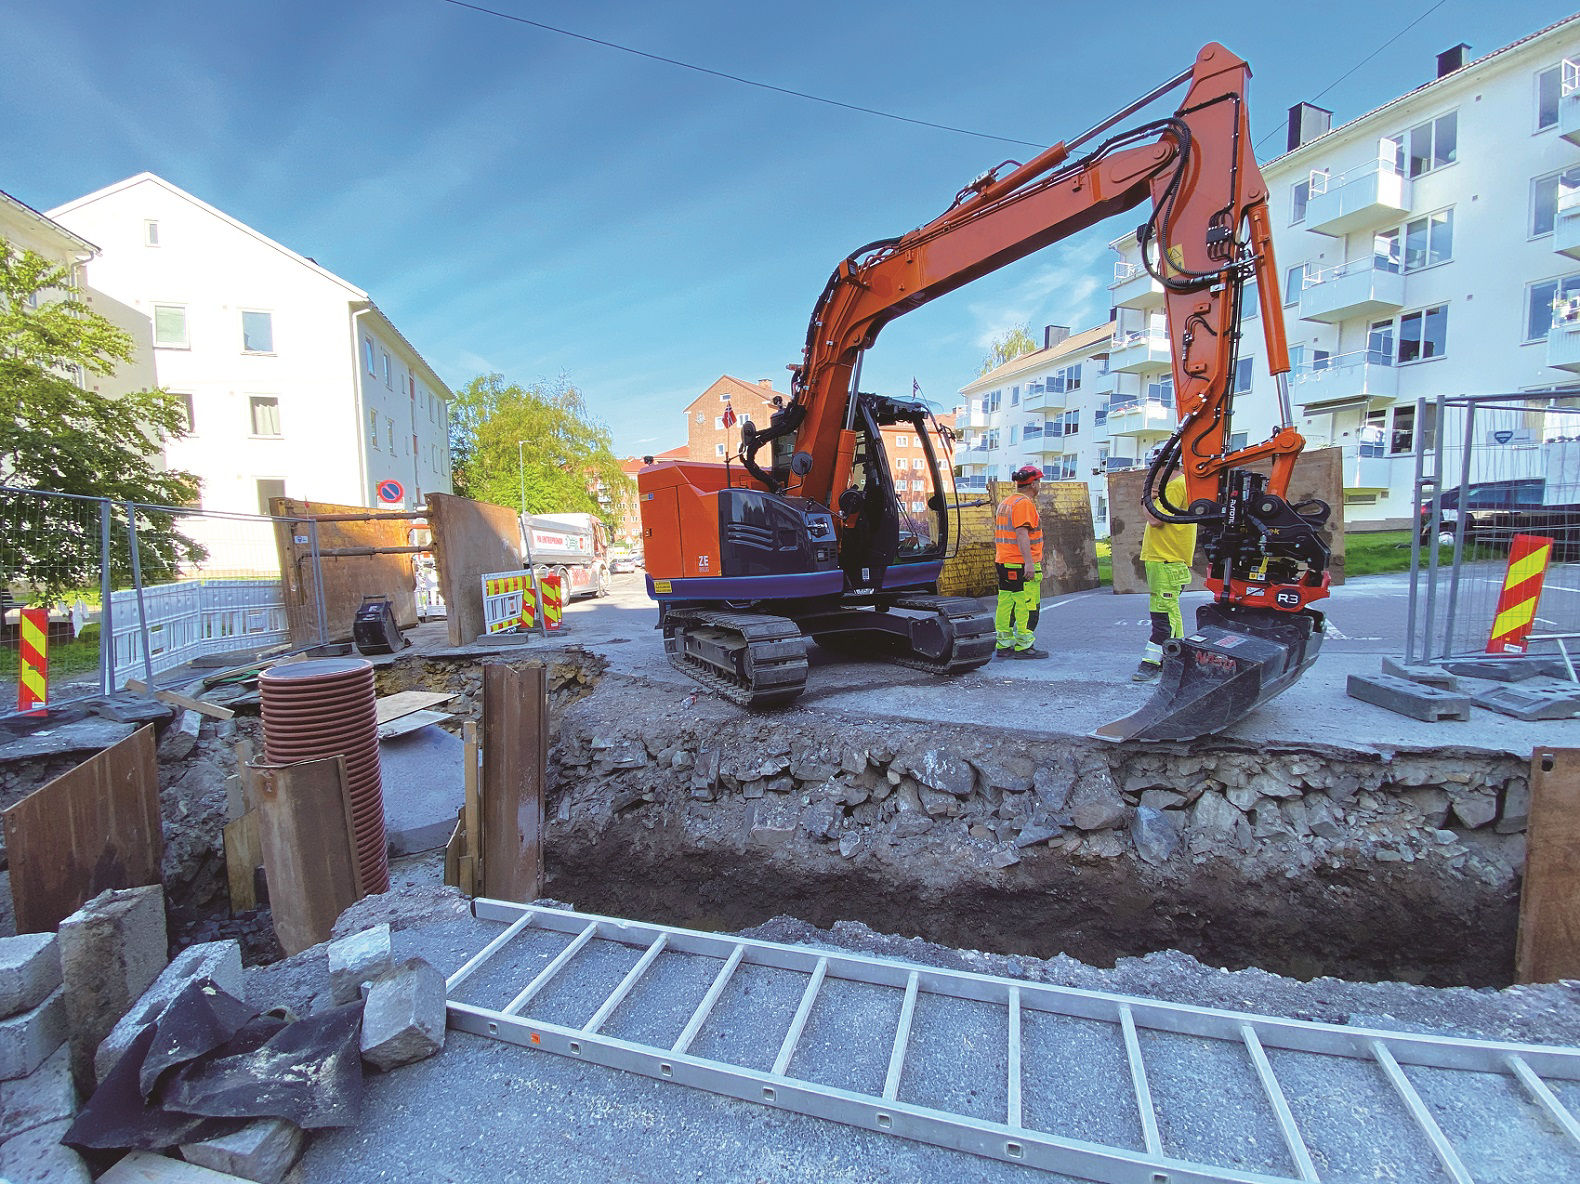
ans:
x=217 y=961
x=262 y=1151
x=1515 y=669
x=29 y=971
x=47 y=1094
x=1430 y=676
x=144 y=1167
x=29 y=1037
x=38 y=1157
x=111 y=951
x=1530 y=701
x=359 y=958
x=403 y=1018
x=1408 y=698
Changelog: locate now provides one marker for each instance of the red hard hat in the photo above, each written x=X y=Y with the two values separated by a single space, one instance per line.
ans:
x=1026 y=474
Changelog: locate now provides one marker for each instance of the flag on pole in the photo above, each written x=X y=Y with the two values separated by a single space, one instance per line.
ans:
x=916 y=389
x=729 y=413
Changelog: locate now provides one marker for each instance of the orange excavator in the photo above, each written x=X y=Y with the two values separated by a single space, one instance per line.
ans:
x=823 y=541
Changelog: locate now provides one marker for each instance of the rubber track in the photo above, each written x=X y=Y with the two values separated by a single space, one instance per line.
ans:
x=971 y=625
x=777 y=679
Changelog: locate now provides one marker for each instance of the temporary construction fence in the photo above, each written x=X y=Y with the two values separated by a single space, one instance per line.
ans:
x=1488 y=469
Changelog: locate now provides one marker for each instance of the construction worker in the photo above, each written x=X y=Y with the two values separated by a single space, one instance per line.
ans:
x=1167 y=549
x=1017 y=554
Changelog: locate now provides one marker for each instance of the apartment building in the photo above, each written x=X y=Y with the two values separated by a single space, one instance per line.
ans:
x=1427 y=247
x=295 y=382
x=706 y=436
x=908 y=460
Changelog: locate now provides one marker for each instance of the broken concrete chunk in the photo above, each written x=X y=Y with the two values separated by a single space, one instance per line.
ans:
x=1515 y=815
x=1096 y=803
x=1322 y=818
x=180 y=740
x=217 y=961
x=39 y=1157
x=849 y=844
x=262 y=1151
x=1040 y=829
x=47 y=1094
x=1212 y=814
x=1431 y=801
x=1155 y=834
x=908 y=824
x=1162 y=799
x=29 y=971
x=1003 y=859
x=820 y=820
x=357 y=959
x=937 y=770
x=144 y=1167
x=1475 y=809
x=28 y=1038
x=403 y=1019
x=1007 y=772
x=1053 y=782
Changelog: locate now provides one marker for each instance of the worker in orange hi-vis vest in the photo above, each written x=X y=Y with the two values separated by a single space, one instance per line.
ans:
x=1017 y=554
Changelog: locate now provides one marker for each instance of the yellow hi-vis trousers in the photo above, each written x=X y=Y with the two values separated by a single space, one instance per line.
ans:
x=1019 y=606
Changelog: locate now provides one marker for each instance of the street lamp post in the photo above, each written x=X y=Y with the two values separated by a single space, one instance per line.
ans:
x=521 y=461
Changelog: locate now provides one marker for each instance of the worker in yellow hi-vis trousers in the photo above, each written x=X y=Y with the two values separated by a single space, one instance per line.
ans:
x=1017 y=555
x=1166 y=552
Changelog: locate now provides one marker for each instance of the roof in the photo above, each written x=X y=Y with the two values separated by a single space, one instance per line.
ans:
x=1454 y=77
x=737 y=388
x=433 y=379
x=48 y=222
x=632 y=464
x=1075 y=343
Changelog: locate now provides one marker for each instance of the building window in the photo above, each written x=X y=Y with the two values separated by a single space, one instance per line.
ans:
x=902 y=441
x=1428 y=146
x=390 y=428
x=1547 y=301
x=1548 y=91
x=150 y=232
x=1299 y=195
x=1548 y=194
x=269 y=488
x=1404 y=429
x=1250 y=308
x=718 y=450
x=373 y=430
x=1294 y=283
x=993 y=400
x=1238 y=440
x=170 y=326
x=257 y=332
x=1423 y=335
x=1426 y=243
x=367 y=356
x=389 y=383
x=1013 y=431
x=1242 y=375
x=265 y=415
x=718 y=423
x=1065 y=381
x=700 y=418
x=187 y=415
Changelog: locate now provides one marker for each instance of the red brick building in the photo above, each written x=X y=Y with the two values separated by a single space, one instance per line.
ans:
x=706 y=436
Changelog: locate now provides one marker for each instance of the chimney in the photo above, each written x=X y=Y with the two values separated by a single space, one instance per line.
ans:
x=1306 y=123
x=1053 y=335
x=766 y=383
x=1451 y=59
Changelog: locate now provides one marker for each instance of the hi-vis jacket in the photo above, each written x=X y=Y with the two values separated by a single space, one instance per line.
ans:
x=1015 y=511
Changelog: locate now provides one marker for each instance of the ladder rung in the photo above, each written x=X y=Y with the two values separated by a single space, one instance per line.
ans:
x=793 y=1036
x=488 y=951
x=1446 y=1154
x=617 y=997
x=1014 y=1057
x=553 y=968
x=1538 y=1090
x=700 y=1016
x=1275 y=1096
x=1138 y=1078
x=902 y=1037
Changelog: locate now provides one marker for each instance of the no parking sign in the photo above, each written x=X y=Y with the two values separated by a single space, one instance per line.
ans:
x=391 y=492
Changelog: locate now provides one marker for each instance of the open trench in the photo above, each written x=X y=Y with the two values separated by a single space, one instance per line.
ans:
x=1365 y=866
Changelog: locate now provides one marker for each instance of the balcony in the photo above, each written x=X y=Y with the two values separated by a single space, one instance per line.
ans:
x=1356 y=289
x=1140 y=353
x=1042 y=397
x=1116 y=464
x=1566 y=226
x=1569 y=103
x=966 y=484
x=1142 y=418
x=1362 y=378
x=1366 y=198
x=1134 y=287
x=1366 y=469
x=1563 y=339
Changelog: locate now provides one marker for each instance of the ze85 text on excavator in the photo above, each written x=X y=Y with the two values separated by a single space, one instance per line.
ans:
x=749 y=561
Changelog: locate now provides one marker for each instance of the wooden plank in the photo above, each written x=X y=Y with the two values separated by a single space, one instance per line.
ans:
x=186 y=702
x=472 y=807
x=391 y=707
x=243 y=751
x=243 y=857
x=467 y=875
x=94 y=827
x=515 y=750
x=411 y=723
x=1547 y=947
x=307 y=848
x=453 y=850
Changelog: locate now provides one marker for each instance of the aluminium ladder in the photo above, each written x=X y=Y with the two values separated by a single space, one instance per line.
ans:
x=588 y=977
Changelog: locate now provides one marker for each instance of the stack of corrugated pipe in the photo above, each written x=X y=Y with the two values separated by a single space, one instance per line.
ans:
x=325 y=708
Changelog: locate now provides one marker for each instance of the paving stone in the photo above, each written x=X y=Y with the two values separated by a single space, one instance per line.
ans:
x=403 y=1019
x=47 y=1094
x=217 y=961
x=262 y=1151
x=111 y=951
x=37 y=1156
x=357 y=959
x=29 y=971
x=28 y=1038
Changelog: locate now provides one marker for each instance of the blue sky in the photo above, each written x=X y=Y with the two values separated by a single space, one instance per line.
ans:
x=524 y=202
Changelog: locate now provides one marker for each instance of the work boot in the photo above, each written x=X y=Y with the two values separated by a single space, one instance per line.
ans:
x=1147 y=672
x=1030 y=651
x=1002 y=651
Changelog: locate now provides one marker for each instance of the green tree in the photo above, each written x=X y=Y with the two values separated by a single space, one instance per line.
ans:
x=56 y=434
x=1006 y=346
x=502 y=432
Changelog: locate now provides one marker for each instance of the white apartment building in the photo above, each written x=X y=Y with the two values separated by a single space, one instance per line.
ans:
x=1424 y=248
x=296 y=384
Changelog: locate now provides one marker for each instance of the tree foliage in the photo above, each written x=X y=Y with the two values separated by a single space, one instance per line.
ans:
x=1007 y=346
x=57 y=434
x=501 y=432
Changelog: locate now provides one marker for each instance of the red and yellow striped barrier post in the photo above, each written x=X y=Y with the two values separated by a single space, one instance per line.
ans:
x=32 y=684
x=1529 y=555
x=552 y=597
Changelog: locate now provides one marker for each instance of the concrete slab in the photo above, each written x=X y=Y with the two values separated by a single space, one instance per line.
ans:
x=84 y=735
x=423 y=787
x=45 y=1095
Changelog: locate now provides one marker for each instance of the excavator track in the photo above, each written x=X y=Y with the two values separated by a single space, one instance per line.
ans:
x=753 y=659
x=970 y=627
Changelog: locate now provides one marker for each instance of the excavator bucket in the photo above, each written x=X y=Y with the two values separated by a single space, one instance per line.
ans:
x=1237 y=659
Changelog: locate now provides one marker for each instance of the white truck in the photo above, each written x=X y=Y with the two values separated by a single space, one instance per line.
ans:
x=574 y=547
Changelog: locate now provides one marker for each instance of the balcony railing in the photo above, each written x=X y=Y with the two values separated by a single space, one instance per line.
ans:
x=1569 y=102
x=1345 y=379
x=1366 y=468
x=1135 y=416
x=1139 y=352
x=1365 y=198
x=1361 y=287
x=1114 y=464
x=971 y=482
x=1032 y=431
x=1563 y=340
x=1566 y=226
x=1134 y=287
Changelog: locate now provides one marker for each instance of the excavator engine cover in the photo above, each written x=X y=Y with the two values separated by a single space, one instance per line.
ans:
x=1237 y=658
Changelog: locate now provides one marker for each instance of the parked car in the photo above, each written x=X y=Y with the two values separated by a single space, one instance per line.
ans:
x=621 y=564
x=1496 y=511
